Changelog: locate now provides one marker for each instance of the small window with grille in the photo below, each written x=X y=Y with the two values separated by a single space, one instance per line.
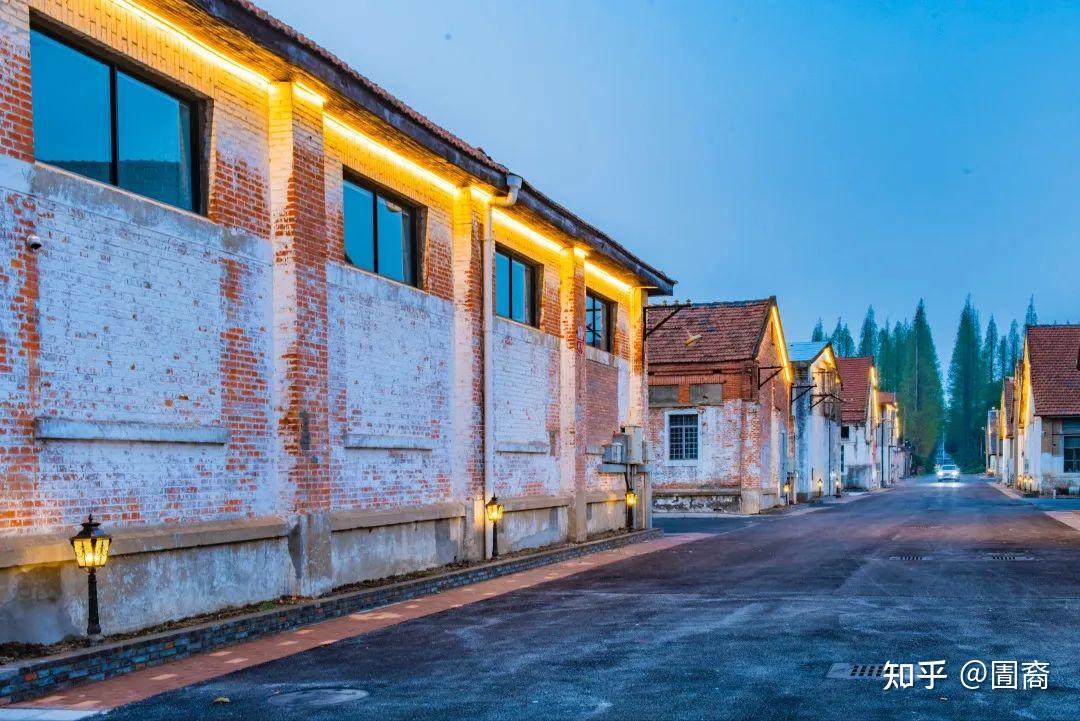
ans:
x=683 y=437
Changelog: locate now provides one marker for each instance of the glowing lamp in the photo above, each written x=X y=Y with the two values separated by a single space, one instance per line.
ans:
x=494 y=510
x=91 y=546
x=631 y=499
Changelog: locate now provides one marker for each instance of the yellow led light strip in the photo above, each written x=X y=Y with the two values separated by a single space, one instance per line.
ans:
x=781 y=343
x=197 y=46
x=516 y=225
x=592 y=269
x=388 y=154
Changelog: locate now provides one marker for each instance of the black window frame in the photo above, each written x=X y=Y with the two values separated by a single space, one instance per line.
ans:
x=683 y=428
x=607 y=310
x=1070 y=457
x=387 y=194
x=845 y=432
x=116 y=62
x=533 y=268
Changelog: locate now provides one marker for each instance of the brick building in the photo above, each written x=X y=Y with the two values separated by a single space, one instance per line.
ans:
x=892 y=453
x=1048 y=410
x=860 y=466
x=816 y=418
x=719 y=427
x=278 y=331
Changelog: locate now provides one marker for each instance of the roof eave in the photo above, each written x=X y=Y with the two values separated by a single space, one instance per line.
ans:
x=239 y=17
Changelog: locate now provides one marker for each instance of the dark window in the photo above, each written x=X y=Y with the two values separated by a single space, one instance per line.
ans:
x=845 y=432
x=380 y=232
x=682 y=437
x=1072 y=454
x=663 y=395
x=96 y=120
x=515 y=287
x=599 y=321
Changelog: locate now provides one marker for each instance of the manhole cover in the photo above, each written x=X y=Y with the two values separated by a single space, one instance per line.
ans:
x=856 y=671
x=1007 y=557
x=316 y=697
x=908 y=557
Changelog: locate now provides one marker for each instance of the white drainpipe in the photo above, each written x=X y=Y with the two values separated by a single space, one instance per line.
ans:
x=513 y=183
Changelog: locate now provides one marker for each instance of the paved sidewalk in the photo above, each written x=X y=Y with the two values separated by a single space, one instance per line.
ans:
x=102 y=695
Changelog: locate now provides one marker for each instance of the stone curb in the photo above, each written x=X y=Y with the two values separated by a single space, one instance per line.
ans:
x=25 y=680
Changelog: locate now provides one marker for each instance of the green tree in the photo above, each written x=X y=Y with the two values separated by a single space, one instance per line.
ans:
x=901 y=335
x=1002 y=358
x=841 y=339
x=1031 y=317
x=886 y=364
x=990 y=366
x=920 y=387
x=967 y=392
x=868 y=334
x=819 y=331
x=1014 y=345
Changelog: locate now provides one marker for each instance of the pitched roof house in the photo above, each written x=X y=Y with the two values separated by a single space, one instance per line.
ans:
x=859 y=415
x=719 y=405
x=1048 y=410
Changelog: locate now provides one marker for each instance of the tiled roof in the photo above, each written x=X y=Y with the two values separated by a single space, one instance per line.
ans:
x=884 y=397
x=729 y=331
x=296 y=48
x=855 y=379
x=806 y=351
x=1009 y=391
x=1055 y=379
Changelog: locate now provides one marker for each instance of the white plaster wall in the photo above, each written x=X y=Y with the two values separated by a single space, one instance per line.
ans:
x=718 y=448
x=526 y=393
x=390 y=349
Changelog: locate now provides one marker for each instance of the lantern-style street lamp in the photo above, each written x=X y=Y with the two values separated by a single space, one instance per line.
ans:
x=836 y=482
x=494 y=514
x=631 y=502
x=91 y=546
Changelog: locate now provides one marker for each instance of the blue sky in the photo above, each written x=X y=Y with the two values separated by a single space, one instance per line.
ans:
x=832 y=154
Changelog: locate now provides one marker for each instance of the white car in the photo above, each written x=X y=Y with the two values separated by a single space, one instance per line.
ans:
x=949 y=470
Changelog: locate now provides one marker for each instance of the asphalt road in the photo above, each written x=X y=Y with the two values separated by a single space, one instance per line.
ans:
x=743 y=625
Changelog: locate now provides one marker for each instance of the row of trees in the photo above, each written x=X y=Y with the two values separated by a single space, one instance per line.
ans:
x=980 y=361
x=907 y=364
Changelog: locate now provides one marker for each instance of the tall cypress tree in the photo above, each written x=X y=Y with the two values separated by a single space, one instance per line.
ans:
x=819 y=331
x=841 y=339
x=884 y=358
x=868 y=334
x=1031 y=317
x=963 y=432
x=1014 y=345
x=901 y=334
x=1004 y=370
x=920 y=387
x=991 y=377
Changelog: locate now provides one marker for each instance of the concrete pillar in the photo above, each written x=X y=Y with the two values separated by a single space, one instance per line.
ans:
x=301 y=382
x=572 y=436
x=637 y=412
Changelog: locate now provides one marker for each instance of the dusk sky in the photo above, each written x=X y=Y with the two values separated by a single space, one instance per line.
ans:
x=832 y=154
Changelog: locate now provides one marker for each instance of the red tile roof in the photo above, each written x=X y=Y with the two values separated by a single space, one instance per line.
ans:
x=1009 y=391
x=1054 y=351
x=855 y=379
x=730 y=331
x=884 y=397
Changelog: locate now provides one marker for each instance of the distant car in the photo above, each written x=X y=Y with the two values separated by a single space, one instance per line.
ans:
x=948 y=470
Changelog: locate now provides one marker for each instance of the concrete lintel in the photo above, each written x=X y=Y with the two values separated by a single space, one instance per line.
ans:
x=56 y=548
x=514 y=504
x=697 y=492
x=594 y=450
x=378 y=441
x=537 y=447
x=604 y=497
x=64 y=429
x=352 y=520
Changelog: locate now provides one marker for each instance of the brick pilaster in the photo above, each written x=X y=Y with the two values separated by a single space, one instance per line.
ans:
x=298 y=223
x=572 y=436
x=468 y=367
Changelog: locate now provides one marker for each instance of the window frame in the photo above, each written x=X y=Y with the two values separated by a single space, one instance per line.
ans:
x=533 y=267
x=608 y=313
x=668 y=436
x=1065 y=449
x=377 y=190
x=117 y=62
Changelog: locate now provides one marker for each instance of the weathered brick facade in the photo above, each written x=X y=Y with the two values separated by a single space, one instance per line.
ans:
x=247 y=412
x=725 y=363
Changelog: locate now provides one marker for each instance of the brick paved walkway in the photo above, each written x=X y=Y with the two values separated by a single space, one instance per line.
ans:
x=136 y=686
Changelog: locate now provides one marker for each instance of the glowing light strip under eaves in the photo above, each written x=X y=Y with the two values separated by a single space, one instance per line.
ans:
x=198 y=46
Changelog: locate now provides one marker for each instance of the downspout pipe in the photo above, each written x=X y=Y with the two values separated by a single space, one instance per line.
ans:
x=513 y=184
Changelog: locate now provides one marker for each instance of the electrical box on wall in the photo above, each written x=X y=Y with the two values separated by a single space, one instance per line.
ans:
x=635 y=444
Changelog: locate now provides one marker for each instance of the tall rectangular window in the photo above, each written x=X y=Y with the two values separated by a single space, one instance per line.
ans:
x=682 y=437
x=599 y=324
x=515 y=287
x=1071 y=445
x=99 y=121
x=380 y=232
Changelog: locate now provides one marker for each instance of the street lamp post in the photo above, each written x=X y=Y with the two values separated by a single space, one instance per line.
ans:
x=91 y=546
x=494 y=514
